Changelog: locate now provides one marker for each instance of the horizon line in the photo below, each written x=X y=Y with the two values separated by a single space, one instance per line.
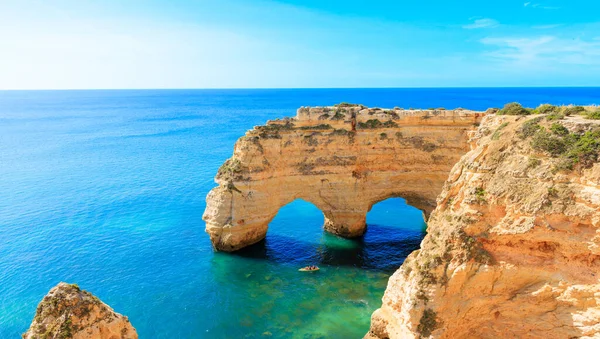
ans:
x=278 y=88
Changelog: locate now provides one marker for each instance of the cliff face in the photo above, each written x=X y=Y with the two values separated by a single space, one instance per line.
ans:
x=513 y=247
x=342 y=159
x=69 y=312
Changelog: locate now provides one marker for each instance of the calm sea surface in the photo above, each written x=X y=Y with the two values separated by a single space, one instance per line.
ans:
x=106 y=189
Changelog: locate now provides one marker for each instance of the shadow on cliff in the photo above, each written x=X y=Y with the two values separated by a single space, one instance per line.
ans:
x=382 y=248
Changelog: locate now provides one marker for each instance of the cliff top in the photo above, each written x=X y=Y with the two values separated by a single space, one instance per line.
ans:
x=336 y=116
x=70 y=312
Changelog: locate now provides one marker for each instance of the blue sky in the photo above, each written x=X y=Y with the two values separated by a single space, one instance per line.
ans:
x=66 y=44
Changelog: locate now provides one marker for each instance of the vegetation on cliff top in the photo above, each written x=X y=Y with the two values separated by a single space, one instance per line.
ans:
x=553 y=112
x=513 y=108
x=347 y=104
x=318 y=127
x=572 y=148
x=230 y=170
x=271 y=131
x=375 y=123
x=64 y=302
x=593 y=115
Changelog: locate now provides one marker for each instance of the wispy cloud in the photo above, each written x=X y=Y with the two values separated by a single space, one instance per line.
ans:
x=540 y=6
x=482 y=23
x=544 y=50
x=547 y=26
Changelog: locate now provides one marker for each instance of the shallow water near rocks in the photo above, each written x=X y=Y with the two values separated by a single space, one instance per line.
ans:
x=106 y=189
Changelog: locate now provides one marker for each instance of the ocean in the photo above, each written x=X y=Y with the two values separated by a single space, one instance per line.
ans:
x=106 y=189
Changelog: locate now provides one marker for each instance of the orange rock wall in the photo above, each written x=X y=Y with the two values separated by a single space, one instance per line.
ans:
x=512 y=249
x=317 y=157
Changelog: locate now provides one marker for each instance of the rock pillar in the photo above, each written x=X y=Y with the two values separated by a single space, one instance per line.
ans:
x=347 y=224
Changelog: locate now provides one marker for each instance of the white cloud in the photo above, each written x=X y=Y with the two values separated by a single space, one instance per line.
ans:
x=537 y=5
x=482 y=23
x=547 y=26
x=544 y=51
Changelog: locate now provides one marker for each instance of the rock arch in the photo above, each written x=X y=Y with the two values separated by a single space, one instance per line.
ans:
x=318 y=157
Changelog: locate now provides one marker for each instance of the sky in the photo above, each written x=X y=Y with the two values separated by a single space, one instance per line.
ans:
x=68 y=44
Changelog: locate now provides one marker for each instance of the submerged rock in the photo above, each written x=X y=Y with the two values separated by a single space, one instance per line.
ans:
x=70 y=312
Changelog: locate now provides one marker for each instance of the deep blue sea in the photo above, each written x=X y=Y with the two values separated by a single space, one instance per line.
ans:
x=106 y=189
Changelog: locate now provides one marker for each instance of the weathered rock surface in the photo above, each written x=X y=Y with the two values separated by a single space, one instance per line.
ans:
x=342 y=159
x=512 y=250
x=69 y=312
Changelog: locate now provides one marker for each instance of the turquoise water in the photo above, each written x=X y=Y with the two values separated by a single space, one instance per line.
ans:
x=106 y=189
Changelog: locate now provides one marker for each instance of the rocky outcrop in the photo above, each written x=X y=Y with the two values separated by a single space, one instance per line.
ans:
x=69 y=312
x=343 y=159
x=513 y=248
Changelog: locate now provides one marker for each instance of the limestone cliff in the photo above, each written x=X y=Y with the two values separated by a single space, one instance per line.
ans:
x=343 y=159
x=69 y=312
x=513 y=247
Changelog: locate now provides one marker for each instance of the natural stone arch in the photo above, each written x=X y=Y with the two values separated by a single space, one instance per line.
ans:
x=421 y=203
x=318 y=158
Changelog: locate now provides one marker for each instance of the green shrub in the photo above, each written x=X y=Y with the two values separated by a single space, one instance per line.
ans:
x=383 y=136
x=564 y=164
x=339 y=114
x=276 y=127
x=420 y=143
x=572 y=149
x=480 y=194
x=546 y=109
x=585 y=149
x=569 y=110
x=513 y=108
x=371 y=123
x=374 y=123
x=230 y=170
x=529 y=128
x=428 y=323
x=554 y=116
x=593 y=115
x=347 y=104
x=340 y=131
x=320 y=127
x=559 y=129
x=496 y=134
x=533 y=162
x=271 y=131
x=392 y=113
x=544 y=141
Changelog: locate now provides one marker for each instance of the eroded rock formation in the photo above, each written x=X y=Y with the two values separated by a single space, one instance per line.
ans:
x=513 y=247
x=69 y=312
x=343 y=159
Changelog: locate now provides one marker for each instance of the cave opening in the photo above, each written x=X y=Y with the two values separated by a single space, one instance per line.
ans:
x=296 y=236
x=394 y=230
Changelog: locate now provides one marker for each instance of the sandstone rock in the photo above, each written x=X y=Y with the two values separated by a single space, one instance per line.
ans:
x=512 y=249
x=342 y=159
x=69 y=312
